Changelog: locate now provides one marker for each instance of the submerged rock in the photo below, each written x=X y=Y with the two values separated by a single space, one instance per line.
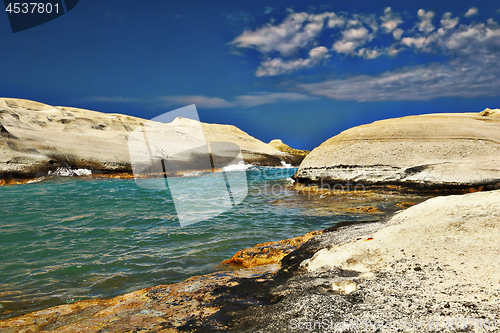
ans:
x=36 y=138
x=436 y=151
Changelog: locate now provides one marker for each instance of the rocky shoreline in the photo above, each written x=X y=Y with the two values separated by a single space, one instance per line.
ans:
x=37 y=139
x=433 y=264
x=430 y=267
x=426 y=153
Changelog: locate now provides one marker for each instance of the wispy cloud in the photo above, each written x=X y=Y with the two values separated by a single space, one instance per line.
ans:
x=283 y=44
x=470 y=53
x=473 y=72
x=447 y=22
x=112 y=99
x=210 y=102
x=297 y=31
x=268 y=10
x=471 y=12
x=425 y=25
x=457 y=79
x=269 y=98
x=277 y=66
x=390 y=21
x=244 y=101
x=351 y=40
x=200 y=101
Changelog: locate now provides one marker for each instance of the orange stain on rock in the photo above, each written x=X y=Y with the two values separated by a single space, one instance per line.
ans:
x=268 y=253
x=364 y=209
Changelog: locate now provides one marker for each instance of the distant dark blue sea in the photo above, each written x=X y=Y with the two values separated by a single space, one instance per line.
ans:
x=66 y=239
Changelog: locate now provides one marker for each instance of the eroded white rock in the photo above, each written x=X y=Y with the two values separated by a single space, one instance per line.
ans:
x=462 y=231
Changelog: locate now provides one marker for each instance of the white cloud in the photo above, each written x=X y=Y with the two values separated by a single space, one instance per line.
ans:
x=418 y=42
x=335 y=21
x=207 y=102
x=200 y=101
x=492 y=22
x=268 y=10
x=457 y=79
x=390 y=21
x=475 y=39
x=351 y=40
x=277 y=66
x=473 y=72
x=268 y=98
x=318 y=53
x=471 y=12
x=112 y=99
x=369 y=53
x=447 y=22
x=297 y=31
x=397 y=33
x=357 y=35
x=425 y=23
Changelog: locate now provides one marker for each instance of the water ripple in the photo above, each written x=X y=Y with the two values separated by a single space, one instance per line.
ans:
x=67 y=239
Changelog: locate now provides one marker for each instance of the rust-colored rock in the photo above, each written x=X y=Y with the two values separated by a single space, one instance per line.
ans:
x=268 y=253
x=364 y=209
x=405 y=204
x=163 y=308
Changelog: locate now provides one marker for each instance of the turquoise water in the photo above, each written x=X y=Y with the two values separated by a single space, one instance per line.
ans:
x=67 y=239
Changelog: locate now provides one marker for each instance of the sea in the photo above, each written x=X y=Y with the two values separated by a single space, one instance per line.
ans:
x=68 y=238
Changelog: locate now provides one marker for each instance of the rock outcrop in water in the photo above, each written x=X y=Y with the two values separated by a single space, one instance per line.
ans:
x=432 y=267
x=36 y=138
x=435 y=151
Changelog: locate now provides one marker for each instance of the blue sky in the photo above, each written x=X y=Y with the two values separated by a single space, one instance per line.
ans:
x=301 y=71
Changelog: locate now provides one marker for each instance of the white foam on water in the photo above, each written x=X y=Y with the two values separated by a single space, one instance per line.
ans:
x=286 y=165
x=68 y=172
x=241 y=166
x=62 y=172
x=83 y=172
x=193 y=174
x=35 y=180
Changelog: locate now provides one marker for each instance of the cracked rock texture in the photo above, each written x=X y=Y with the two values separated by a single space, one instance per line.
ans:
x=449 y=149
x=36 y=138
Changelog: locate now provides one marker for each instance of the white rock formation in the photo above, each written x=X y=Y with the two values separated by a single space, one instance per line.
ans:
x=461 y=232
x=36 y=138
x=439 y=149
